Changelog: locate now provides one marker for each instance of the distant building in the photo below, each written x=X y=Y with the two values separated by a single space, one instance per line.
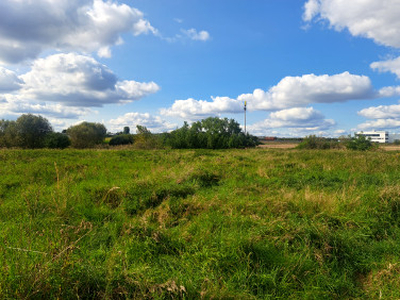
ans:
x=376 y=136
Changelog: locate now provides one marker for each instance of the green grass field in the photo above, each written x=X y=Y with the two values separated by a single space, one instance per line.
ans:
x=235 y=224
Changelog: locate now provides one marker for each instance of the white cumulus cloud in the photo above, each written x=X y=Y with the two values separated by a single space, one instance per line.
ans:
x=154 y=123
x=195 y=35
x=374 y=19
x=301 y=119
x=78 y=80
x=392 y=65
x=66 y=86
x=294 y=91
x=381 y=112
x=28 y=28
x=192 y=109
x=380 y=124
x=297 y=91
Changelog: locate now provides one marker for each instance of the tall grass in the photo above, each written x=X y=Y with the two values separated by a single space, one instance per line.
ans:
x=199 y=224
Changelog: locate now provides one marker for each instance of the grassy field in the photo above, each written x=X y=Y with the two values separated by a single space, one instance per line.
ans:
x=235 y=224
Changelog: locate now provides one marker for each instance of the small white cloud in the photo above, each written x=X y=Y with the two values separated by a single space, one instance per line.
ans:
x=392 y=66
x=195 y=35
x=154 y=123
x=377 y=20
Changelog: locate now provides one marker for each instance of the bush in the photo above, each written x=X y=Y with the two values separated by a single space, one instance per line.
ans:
x=320 y=143
x=144 y=139
x=359 y=142
x=121 y=139
x=57 y=140
x=86 y=135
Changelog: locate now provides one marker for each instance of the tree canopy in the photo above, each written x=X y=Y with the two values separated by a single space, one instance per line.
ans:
x=210 y=133
x=86 y=134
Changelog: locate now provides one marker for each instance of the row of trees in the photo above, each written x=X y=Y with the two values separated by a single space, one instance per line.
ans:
x=30 y=131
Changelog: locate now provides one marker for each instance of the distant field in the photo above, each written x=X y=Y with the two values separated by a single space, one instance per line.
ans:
x=236 y=224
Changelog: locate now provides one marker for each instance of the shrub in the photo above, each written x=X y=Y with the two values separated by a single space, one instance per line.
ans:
x=86 y=135
x=121 y=139
x=144 y=139
x=320 y=143
x=359 y=142
x=57 y=140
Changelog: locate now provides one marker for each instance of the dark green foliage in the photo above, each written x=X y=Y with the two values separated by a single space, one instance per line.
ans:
x=121 y=139
x=57 y=140
x=126 y=130
x=359 y=142
x=319 y=143
x=210 y=133
x=8 y=134
x=32 y=130
x=28 y=131
x=86 y=134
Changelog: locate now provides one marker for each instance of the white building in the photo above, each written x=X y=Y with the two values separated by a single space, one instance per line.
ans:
x=376 y=136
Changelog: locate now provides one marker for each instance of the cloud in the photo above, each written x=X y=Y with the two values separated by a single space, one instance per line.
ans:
x=392 y=66
x=154 y=123
x=381 y=112
x=78 y=80
x=27 y=28
x=9 y=81
x=380 y=124
x=304 y=90
x=290 y=92
x=377 y=20
x=300 y=119
x=14 y=106
x=66 y=86
x=192 y=109
x=195 y=35
x=381 y=117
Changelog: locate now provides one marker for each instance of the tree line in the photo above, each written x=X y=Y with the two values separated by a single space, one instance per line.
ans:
x=32 y=132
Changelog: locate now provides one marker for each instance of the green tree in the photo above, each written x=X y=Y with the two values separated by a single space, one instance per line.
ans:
x=127 y=130
x=8 y=134
x=86 y=134
x=211 y=133
x=144 y=139
x=121 y=139
x=57 y=140
x=31 y=131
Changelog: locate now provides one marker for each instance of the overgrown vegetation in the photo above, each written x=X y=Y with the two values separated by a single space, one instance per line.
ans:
x=210 y=133
x=227 y=224
x=359 y=142
x=319 y=143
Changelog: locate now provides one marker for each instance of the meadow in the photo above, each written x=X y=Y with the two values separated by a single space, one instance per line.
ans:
x=185 y=224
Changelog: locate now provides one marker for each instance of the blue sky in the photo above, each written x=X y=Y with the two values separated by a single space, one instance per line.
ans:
x=324 y=67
